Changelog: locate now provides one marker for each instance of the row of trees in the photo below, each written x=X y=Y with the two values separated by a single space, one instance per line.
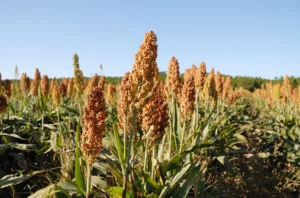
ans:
x=252 y=83
x=247 y=82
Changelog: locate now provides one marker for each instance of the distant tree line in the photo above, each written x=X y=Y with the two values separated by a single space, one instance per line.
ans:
x=247 y=82
x=252 y=83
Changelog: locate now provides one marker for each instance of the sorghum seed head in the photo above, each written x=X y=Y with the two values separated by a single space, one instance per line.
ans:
x=94 y=124
x=92 y=84
x=187 y=96
x=24 y=83
x=7 y=88
x=200 y=77
x=125 y=101
x=101 y=82
x=55 y=95
x=173 y=80
x=62 y=89
x=210 y=86
x=111 y=92
x=70 y=89
x=155 y=114
x=219 y=84
x=78 y=76
x=286 y=87
x=226 y=87
x=45 y=85
x=3 y=103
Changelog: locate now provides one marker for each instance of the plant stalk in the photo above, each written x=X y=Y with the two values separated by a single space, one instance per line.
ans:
x=88 y=180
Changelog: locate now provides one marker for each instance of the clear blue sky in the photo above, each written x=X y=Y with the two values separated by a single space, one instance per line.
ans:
x=241 y=37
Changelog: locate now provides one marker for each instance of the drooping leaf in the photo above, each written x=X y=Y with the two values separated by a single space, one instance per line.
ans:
x=50 y=126
x=61 y=192
x=17 y=179
x=25 y=147
x=241 y=138
x=12 y=135
x=183 y=189
x=99 y=183
x=44 y=192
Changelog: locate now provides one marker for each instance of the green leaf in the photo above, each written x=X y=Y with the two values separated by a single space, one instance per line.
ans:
x=119 y=145
x=172 y=183
x=117 y=191
x=174 y=162
x=264 y=155
x=291 y=135
x=71 y=110
x=102 y=167
x=151 y=184
x=117 y=174
x=16 y=118
x=14 y=179
x=224 y=160
x=25 y=147
x=221 y=159
x=42 y=192
x=13 y=110
x=205 y=132
x=12 y=135
x=241 y=138
x=180 y=175
x=291 y=157
x=183 y=189
x=71 y=186
x=3 y=148
x=78 y=175
x=199 y=188
x=42 y=102
x=63 y=191
x=99 y=183
x=50 y=126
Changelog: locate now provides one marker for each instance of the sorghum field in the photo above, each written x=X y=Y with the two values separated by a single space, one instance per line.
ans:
x=191 y=135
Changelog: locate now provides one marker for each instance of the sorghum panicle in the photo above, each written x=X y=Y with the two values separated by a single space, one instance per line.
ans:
x=173 y=80
x=78 y=76
x=3 y=103
x=101 y=82
x=7 y=88
x=125 y=101
x=210 y=86
x=36 y=82
x=145 y=71
x=94 y=124
x=219 y=84
x=187 y=96
x=110 y=94
x=45 y=85
x=200 y=77
x=70 y=89
x=92 y=84
x=62 y=89
x=55 y=95
x=155 y=114
x=24 y=83
x=226 y=87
